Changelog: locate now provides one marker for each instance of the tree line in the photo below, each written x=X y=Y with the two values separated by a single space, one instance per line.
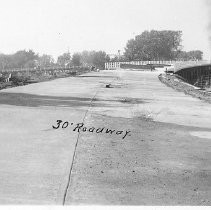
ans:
x=149 y=45
x=30 y=59
x=157 y=45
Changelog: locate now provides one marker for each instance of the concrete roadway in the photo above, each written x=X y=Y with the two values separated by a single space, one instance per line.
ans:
x=164 y=160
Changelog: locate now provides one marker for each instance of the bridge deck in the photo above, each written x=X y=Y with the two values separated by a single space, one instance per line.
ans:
x=162 y=162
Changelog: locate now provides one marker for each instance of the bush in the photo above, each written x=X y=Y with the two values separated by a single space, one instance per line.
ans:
x=19 y=80
x=2 y=79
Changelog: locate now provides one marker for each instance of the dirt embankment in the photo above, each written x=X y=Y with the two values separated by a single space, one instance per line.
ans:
x=179 y=85
x=25 y=78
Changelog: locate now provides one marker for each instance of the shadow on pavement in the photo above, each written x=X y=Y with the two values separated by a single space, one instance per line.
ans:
x=31 y=100
x=96 y=76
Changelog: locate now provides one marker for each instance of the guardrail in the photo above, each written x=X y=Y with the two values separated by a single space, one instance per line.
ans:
x=41 y=69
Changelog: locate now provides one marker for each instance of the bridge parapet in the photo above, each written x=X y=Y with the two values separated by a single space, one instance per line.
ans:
x=198 y=75
x=188 y=64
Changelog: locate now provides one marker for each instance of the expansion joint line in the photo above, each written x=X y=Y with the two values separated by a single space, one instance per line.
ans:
x=76 y=144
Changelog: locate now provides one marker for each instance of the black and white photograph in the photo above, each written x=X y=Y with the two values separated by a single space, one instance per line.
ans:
x=105 y=103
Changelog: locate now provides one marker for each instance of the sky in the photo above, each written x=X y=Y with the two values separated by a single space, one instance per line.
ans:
x=54 y=26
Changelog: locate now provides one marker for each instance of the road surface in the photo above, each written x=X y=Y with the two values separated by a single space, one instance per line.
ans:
x=141 y=143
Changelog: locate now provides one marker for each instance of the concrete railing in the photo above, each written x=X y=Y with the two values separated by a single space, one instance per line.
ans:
x=176 y=64
x=116 y=65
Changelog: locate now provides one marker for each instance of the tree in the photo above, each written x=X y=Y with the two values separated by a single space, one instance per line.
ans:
x=4 y=61
x=182 y=55
x=24 y=59
x=94 y=58
x=64 y=59
x=195 y=55
x=99 y=58
x=154 y=45
x=191 y=55
x=87 y=58
x=76 y=59
x=21 y=59
x=45 y=61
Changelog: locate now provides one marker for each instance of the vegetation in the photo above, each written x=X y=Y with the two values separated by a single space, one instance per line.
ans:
x=149 y=45
x=191 y=55
x=29 y=59
x=45 y=61
x=159 y=45
x=64 y=59
x=76 y=59
x=91 y=58
x=154 y=45
x=21 y=59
